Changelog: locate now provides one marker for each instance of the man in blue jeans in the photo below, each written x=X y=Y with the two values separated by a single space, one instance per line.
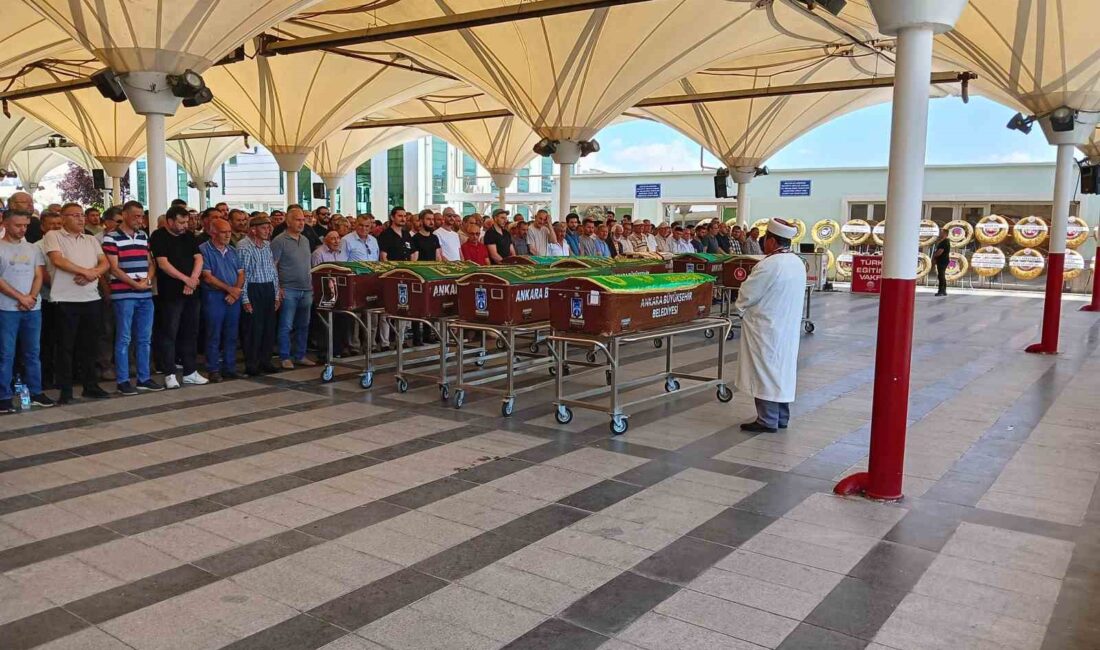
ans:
x=127 y=251
x=222 y=284
x=291 y=251
x=22 y=271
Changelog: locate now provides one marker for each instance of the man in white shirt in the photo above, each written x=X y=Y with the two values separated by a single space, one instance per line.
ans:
x=647 y=232
x=359 y=245
x=540 y=235
x=450 y=246
x=681 y=241
x=621 y=242
x=664 y=238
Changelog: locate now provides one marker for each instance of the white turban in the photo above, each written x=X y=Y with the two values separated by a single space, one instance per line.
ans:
x=782 y=228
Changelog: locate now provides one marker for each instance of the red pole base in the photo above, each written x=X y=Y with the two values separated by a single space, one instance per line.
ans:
x=1090 y=307
x=1052 y=306
x=852 y=485
x=1094 y=304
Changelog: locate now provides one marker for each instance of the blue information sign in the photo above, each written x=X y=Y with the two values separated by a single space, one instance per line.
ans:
x=795 y=188
x=647 y=191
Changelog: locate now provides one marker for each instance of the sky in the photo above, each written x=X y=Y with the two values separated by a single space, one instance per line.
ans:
x=957 y=133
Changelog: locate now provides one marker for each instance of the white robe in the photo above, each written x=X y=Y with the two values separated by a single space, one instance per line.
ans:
x=770 y=304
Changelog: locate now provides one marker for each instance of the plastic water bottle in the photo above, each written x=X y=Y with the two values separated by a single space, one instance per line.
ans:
x=24 y=394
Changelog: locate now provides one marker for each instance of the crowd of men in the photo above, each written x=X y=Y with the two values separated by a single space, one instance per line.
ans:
x=89 y=296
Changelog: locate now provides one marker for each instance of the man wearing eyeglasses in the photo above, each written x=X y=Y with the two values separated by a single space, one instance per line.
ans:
x=360 y=245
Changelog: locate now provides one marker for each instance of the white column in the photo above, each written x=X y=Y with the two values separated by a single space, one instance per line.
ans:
x=743 y=204
x=156 y=174
x=115 y=170
x=503 y=180
x=348 y=205
x=290 y=187
x=414 y=192
x=565 y=176
x=116 y=190
x=331 y=185
x=1064 y=182
x=379 y=186
x=201 y=183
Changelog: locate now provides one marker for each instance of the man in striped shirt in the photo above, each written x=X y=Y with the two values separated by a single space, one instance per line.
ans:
x=127 y=251
x=260 y=298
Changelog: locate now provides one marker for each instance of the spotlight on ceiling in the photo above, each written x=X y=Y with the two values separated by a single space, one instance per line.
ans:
x=11 y=174
x=108 y=85
x=546 y=147
x=187 y=84
x=1063 y=119
x=832 y=6
x=57 y=140
x=1021 y=123
x=760 y=171
x=589 y=146
x=203 y=96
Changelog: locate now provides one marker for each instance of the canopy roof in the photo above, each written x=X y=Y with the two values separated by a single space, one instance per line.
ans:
x=17 y=132
x=501 y=144
x=745 y=132
x=346 y=149
x=1092 y=149
x=163 y=36
x=26 y=37
x=571 y=74
x=201 y=157
x=292 y=103
x=33 y=164
x=78 y=156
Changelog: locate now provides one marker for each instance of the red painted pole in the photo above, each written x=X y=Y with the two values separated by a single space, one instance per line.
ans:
x=1056 y=259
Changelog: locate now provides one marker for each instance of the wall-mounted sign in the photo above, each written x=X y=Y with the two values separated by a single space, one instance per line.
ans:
x=795 y=188
x=647 y=191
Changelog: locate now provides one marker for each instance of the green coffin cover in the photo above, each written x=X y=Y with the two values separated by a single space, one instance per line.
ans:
x=428 y=271
x=543 y=260
x=650 y=282
x=588 y=261
x=708 y=257
x=528 y=274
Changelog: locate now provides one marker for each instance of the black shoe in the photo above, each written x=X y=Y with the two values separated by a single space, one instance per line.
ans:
x=94 y=392
x=8 y=406
x=252 y=372
x=150 y=386
x=124 y=388
x=66 y=396
x=230 y=376
x=756 y=427
x=214 y=377
x=269 y=370
x=42 y=400
x=782 y=426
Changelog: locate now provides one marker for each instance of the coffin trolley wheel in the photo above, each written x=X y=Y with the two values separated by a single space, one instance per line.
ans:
x=402 y=385
x=657 y=343
x=724 y=393
x=328 y=373
x=535 y=347
x=607 y=376
x=460 y=398
x=508 y=407
x=366 y=380
x=481 y=357
x=501 y=345
x=708 y=333
x=671 y=384
x=564 y=415
x=444 y=392
x=590 y=356
x=729 y=337
x=808 y=327
x=619 y=425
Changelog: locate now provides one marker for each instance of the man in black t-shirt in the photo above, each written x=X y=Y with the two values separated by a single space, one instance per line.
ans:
x=497 y=239
x=396 y=245
x=179 y=265
x=425 y=243
x=941 y=256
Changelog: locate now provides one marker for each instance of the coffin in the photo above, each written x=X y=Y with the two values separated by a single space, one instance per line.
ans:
x=708 y=263
x=607 y=305
x=531 y=260
x=423 y=291
x=348 y=286
x=511 y=295
x=736 y=270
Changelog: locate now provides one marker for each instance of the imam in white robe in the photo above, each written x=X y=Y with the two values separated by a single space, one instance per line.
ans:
x=770 y=304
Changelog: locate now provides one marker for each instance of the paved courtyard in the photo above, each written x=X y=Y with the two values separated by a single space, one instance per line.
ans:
x=284 y=513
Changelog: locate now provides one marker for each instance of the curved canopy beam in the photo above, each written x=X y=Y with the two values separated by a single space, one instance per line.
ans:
x=340 y=153
x=33 y=164
x=200 y=157
x=17 y=132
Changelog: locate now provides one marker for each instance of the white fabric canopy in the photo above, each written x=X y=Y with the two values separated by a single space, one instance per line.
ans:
x=26 y=37
x=501 y=144
x=163 y=36
x=340 y=153
x=16 y=132
x=33 y=164
x=201 y=157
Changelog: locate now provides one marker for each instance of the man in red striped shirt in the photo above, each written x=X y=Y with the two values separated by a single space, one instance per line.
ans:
x=127 y=251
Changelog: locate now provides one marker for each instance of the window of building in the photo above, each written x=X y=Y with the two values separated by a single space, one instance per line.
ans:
x=181 y=183
x=305 y=188
x=547 y=174
x=469 y=173
x=523 y=183
x=362 y=188
x=395 y=174
x=233 y=160
x=867 y=211
x=439 y=170
x=468 y=208
x=142 y=183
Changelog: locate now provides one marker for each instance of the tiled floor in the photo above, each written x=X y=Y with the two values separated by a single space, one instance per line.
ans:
x=284 y=513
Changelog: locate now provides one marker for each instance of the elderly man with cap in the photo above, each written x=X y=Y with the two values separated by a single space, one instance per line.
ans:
x=770 y=304
x=260 y=297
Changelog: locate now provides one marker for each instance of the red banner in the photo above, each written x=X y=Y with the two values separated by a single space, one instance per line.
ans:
x=866 y=273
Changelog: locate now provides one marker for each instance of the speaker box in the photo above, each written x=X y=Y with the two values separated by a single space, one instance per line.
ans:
x=721 y=186
x=99 y=179
x=1090 y=179
x=319 y=191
